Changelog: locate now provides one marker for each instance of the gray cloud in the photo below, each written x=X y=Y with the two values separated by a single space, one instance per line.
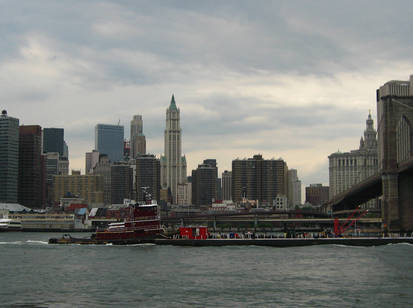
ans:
x=273 y=76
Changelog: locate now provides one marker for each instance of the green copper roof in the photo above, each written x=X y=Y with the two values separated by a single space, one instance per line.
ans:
x=173 y=105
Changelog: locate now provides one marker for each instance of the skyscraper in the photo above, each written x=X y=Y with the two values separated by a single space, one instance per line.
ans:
x=53 y=141
x=9 y=158
x=109 y=141
x=137 y=138
x=30 y=186
x=103 y=168
x=226 y=185
x=259 y=179
x=294 y=189
x=121 y=177
x=204 y=184
x=173 y=164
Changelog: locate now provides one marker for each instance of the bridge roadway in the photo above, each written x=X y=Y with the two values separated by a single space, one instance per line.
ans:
x=255 y=218
x=366 y=190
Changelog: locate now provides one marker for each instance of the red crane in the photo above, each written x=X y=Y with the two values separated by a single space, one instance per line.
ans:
x=339 y=229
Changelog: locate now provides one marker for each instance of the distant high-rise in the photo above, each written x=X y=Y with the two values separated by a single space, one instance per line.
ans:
x=92 y=158
x=148 y=175
x=226 y=185
x=316 y=194
x=294 y=189
x=259 y=179
x=53 y=141
x=204 y=184
x=9 y=158
x=30 y=166
x=137 y=138
x=121 y=177
x=103 y=168
x=109 y=141
x=173 y=164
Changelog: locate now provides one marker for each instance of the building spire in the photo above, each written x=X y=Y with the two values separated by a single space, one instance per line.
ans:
x=173 y=104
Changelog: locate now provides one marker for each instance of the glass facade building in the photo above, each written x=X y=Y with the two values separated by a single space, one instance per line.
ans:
x=109 y=141
x=53 y=141
x=9 y=158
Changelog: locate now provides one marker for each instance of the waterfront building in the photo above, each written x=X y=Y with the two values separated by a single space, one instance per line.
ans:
x=121 y=176
x=258 y=179
x=103 y=168
x=204 y=183
x=30 y=181
x=53 y=141
x=92 y=158
x=294 y=189
x=9 y=158
x=137 y=138
x=88 y=187
x=109 y=141
x=317 y=194
x=349 y=168
x=148 y=174
x=173 y=164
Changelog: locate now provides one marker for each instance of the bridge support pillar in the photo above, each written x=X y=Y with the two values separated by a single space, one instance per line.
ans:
x=406 y=202
x=390 y=204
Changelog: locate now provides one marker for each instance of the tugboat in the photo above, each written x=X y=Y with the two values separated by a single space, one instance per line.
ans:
x=142 y=225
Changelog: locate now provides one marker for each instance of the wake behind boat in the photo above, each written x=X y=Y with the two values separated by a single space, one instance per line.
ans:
x=7 y=224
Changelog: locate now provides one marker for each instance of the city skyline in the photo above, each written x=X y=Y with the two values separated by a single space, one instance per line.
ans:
x=297 y=86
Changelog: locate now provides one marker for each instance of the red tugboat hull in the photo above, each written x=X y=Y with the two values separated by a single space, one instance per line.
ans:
x=142 y=225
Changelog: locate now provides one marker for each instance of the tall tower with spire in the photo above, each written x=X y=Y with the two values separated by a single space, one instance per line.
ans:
x=370 y=135
x=173 y=164
x=349 y=168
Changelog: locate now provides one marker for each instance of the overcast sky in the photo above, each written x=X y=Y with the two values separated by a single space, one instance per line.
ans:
x=289 y=79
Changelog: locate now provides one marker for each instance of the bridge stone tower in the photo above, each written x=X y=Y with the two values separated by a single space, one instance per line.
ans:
x=395 y=146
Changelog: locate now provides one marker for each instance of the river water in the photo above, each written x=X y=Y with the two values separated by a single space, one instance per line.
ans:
x=35 y=274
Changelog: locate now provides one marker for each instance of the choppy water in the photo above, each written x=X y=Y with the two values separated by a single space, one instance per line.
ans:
x=35 y=274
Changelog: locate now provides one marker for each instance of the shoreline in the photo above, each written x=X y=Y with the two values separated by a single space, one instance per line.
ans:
x=287 y=242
